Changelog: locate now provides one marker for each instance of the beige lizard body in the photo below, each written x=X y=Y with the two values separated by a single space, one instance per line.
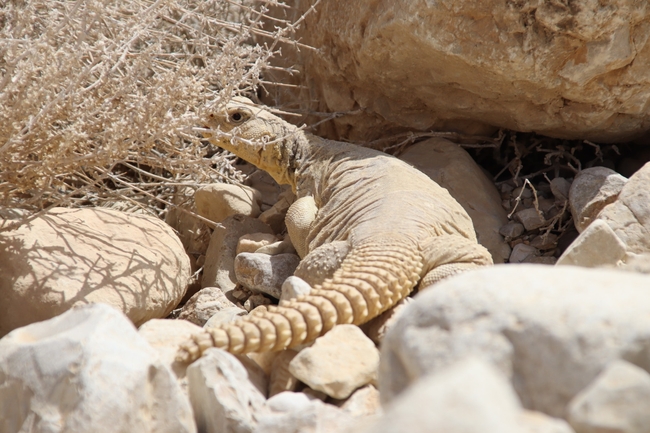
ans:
x=368 y=227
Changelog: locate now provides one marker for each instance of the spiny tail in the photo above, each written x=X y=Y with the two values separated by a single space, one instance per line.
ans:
x=372 y=278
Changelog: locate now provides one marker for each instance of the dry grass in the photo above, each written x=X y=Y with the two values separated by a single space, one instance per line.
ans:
x=98 y=98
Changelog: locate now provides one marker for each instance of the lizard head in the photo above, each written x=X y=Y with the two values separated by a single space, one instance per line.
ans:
x=253 y=134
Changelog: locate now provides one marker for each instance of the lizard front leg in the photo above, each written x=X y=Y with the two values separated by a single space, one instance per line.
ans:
x=300 y=216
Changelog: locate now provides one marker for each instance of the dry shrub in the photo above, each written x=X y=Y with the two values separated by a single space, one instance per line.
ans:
x=98 y=98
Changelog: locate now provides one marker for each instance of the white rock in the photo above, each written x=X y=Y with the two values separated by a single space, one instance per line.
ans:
x=223 y=398
x=166 y=336
x=219 y=269
x=629 y=215
x=290 y=412
x=288 y=401
x=616 y=401
x=538 y=422
x=363 y=402
x=470 y=396
x=252 y=242
x=227 y=315
x=281 y=378
x=70 y=257
x=218 y=201
x=204 y=304
x=453 y=168
x=293 y=287
x=596 y=246
x=376 y=328
x=592 y=190
x=87 y=370
x=551 y=329
x=264 y=273
x=256 y=375
x=337 y=363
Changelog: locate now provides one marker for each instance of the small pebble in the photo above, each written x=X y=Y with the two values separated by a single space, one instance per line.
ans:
x=511 y=230
x=530 y=218
x=255 y=301
x=294 y=287
x=544 y=242
x=521 y=252
x=560 y=189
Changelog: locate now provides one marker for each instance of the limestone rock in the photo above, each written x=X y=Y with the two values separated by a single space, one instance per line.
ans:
x=264 y=273
x=597 y=246
x=223 y=398
x=250 y=243
x=470 y=396
x=165 y=336
x=629 y=215
x=281 y=247
x=450 y=166
x=274 y=216
x=592 y=190
x=268 y=188
x=219 y=269
x=193 y=233
x=376 y=328
x=572 y=71
x=538 y=422
x=87 y=370
x=290 y=412
x=204 y=304
x=227 y=315
x=256 y=374
x=616 y=401
x=70 y=257
x=256 y=301
x=281 y=378
x=552 y=330
x=637 y=263
x=293 y=287
x=218 y=201
x=363 y=402
x=337 y=363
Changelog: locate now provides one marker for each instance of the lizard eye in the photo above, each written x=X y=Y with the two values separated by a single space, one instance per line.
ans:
x=237 y=117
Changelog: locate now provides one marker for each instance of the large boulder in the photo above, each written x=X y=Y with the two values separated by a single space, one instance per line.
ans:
x=87 y=370
x=451 y=167
x=69 y=257
x=564 y=69
x=552 y=330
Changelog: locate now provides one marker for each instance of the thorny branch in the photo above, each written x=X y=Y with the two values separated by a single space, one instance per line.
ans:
x=98 y=98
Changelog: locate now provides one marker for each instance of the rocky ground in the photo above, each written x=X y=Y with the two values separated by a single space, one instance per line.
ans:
x=531 y=346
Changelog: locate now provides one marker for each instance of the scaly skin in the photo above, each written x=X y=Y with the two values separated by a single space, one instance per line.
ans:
x=388 y=225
